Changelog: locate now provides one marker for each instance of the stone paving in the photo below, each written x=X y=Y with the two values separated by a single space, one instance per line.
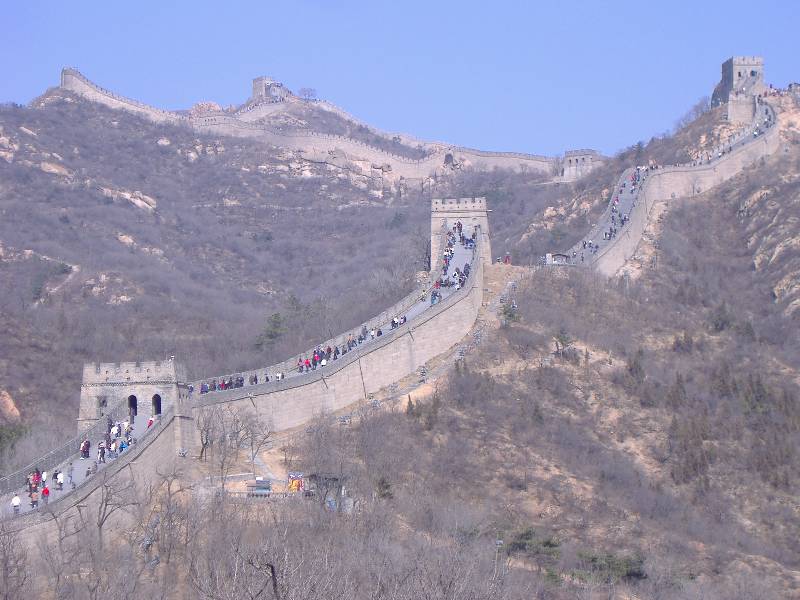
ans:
x=141 y=435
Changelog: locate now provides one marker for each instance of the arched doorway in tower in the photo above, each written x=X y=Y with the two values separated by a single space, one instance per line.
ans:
x=156 y=405
x=132 y=405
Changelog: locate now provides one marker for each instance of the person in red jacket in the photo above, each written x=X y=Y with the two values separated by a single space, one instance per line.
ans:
x=45 y=494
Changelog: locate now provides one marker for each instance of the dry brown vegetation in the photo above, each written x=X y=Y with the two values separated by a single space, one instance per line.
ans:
x=623 y=438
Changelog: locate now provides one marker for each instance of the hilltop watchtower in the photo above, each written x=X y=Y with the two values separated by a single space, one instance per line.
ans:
x=129 y=388
x=470 y=211
x=741 y=82
x=266 y=89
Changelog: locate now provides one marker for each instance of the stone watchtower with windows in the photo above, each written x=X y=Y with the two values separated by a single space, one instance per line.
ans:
x=470 y=211
x=741 y=83
x=577 y=163
x=132 y=389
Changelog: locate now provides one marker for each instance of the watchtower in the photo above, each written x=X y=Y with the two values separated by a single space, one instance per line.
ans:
x=470 y=211
x=266 y=89
x=741 y=82
x=129 y=388
x=577 y=163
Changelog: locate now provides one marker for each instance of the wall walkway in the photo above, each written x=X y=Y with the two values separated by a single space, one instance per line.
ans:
x=760 y=139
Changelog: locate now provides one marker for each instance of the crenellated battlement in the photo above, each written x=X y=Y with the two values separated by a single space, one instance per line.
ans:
x=458 y=204
x=94 y=373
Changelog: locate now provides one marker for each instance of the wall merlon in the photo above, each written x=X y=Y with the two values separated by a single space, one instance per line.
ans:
x=582 y=152
x=750 y=60
x=458 y=204
x=129 y=371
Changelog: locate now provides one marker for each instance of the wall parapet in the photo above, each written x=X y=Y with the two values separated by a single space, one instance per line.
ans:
x=359 y=353
x=683 y=180
x=69 y=75
x=399 y=308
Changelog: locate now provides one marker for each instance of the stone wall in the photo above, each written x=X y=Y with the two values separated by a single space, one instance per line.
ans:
x=741 y=108
x=75 y=82
x=143 y=463
x=670 y=183
x=294 y=401
x=288 y=403
x=241 y=124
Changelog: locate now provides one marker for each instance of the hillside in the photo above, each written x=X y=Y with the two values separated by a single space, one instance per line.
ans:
x=111 y=218
x=631 y=437
x=122 y=239
x=125 y=239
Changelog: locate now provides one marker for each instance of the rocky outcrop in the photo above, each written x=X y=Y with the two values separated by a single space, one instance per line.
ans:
x=54 y=169
x=137 y=198
x=8 y=408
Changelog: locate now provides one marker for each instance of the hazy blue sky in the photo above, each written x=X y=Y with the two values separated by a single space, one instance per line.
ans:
x=532 y=76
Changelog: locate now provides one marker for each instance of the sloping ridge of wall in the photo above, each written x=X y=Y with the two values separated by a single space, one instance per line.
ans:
x=74 y=81
x=367 y=369
x=229 y=124
x=681 y=181
x=397 y=309
x=350 y=379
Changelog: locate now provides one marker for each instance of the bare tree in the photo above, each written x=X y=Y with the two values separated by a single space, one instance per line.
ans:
x=116 y=493
x=307 y=93
x=13 y=564
x=227 y=443
x=257 y=435
x=206 y=421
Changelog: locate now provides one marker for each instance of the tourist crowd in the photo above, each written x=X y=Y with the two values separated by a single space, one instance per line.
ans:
x=617 y=218
x=40 y=484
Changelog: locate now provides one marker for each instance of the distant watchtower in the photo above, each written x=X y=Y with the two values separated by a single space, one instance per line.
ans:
x=577 y=163
x=470 y=211
x=266 y=89
x=742 y=81
x=129 y=388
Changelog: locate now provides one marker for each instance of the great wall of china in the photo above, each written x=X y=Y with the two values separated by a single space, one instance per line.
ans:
x=113 y=390
x=756 y=139
x=108 y=388
x=574 y=165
